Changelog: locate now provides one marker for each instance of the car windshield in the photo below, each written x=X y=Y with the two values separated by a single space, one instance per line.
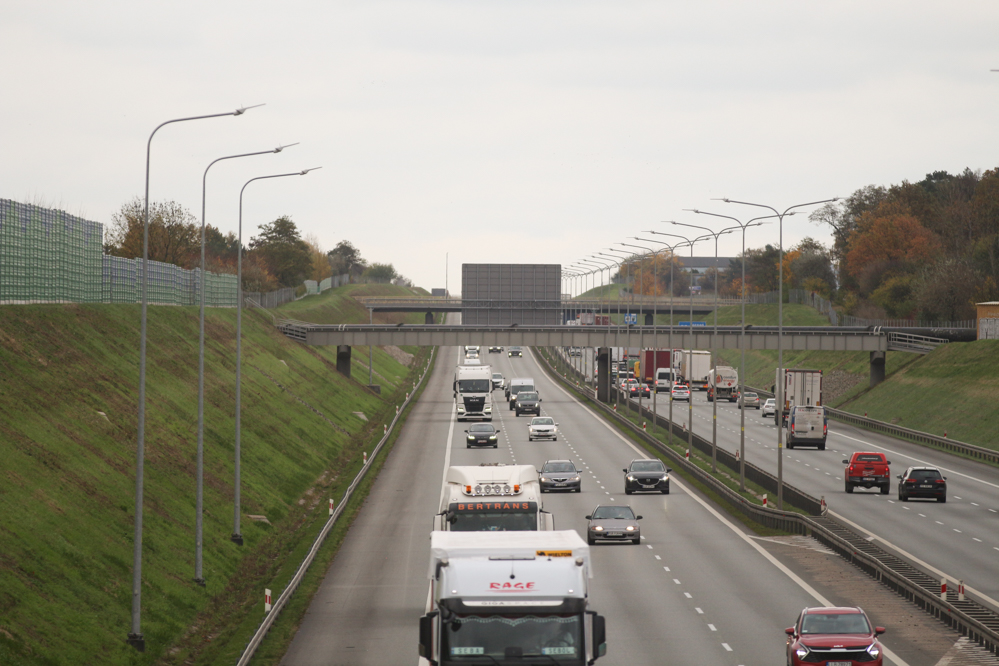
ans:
x=533 y=639
x=621 y=512
x=872 y=457
x=648 y=466
x=526 y=395
x=752 y=396
x=559 y=467
x=544 y=420
x=517 y=388
x=497 y=375
x=514 y=348
x=481 y=427
x=835 y=623
x=923 y=474
x=770 y=401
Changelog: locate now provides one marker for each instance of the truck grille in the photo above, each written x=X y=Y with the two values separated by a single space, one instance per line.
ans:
x=474 y=404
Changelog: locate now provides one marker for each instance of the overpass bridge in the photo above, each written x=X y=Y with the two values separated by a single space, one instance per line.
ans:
x=569 y=308
x=817 y=338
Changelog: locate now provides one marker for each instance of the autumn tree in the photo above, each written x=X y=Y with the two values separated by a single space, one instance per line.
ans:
x=283 y=252
x=946 y=291
x=319 y=265
x=888 y=244
x=174 y=234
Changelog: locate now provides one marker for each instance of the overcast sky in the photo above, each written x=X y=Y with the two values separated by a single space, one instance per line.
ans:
x=503 y=131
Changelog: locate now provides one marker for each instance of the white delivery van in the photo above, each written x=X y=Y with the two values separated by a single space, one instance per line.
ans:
x=807 y=425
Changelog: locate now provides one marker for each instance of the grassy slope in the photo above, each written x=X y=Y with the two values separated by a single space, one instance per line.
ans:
x=68 y=480
x=954 y=389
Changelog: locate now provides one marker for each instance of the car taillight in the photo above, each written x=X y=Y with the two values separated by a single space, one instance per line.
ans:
x=940 y=481
x=825 y=428
x=851 y=469
x=910 y=480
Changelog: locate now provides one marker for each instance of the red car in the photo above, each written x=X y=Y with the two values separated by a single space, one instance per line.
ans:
x=867 y=469
x=833 y=636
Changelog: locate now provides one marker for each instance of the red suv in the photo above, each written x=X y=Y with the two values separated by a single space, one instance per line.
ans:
x=833 y=637
x=867 y=470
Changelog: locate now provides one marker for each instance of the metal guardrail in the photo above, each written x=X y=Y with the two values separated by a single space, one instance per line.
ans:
x=920 y=344
x=265 y=625
x=952 y=445
x=979 y=623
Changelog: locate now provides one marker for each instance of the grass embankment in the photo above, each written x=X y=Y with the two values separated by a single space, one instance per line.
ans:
x=68 y=384
x=954 y=390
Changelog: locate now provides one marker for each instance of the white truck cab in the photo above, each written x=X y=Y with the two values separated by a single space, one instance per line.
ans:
x=473 y=392
x=492 y=497
x=510 y=599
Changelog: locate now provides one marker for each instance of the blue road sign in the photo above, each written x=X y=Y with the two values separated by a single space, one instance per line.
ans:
x=696 y=323
x=631 y=318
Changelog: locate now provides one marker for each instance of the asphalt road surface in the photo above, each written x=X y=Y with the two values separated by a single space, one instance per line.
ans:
x=698 y=589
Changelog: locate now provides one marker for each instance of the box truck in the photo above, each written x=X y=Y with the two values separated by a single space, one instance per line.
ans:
x=801 y=387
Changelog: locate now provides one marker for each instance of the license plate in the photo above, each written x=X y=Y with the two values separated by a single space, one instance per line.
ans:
x=838 y=663
x=615 y=534
x=869 y=478
x=925 y=486
x=559 y=485
x=644 y=485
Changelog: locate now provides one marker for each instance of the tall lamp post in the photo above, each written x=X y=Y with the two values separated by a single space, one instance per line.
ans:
x=594 y=268
x=604 y=264
x=690 y=400
x=742 y=342
x=714 y=345
x=617 y=263
x=237 y=536
x=135 y=638
x=655 y=287
x=620 y=263
x=780 y=333
x=199 y=494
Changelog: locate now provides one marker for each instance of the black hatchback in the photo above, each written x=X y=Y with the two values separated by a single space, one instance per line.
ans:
x=922 y=482
x=646 y=474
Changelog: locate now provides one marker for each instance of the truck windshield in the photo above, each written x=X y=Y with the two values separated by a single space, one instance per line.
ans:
x=488 y=639
x=474 y=385
x=494 y=521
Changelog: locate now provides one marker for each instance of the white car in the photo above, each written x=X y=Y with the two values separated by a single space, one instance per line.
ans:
x=542 y=427
x=769 y=407
x=680 y=392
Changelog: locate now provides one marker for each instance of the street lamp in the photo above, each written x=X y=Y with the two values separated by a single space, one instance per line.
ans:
x=135 y=638
x=742 y=343
x=604 y=264
x=655 y=313
x=690 y=399
x=780 y=333
x=714 y=346
x=617 y=262
x=199 y=495
x=672 y=377
x=237 y=536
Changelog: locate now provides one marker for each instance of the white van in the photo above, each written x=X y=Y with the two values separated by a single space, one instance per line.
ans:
x=516 y=386
x=807 y=426
x=664 y=380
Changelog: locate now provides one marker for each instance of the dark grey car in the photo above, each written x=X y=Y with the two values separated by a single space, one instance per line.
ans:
x=528 y=402
x=613 y=523
x=646 y=474
x=560 y=475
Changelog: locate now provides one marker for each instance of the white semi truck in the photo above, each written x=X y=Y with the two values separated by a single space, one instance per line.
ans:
x=723 y=382
x=492 y=497
x=473 y=392
x=510 y=599
x=801 y=387
x=694 y=368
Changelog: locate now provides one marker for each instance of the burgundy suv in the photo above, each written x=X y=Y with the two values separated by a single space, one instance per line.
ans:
x=833 y=636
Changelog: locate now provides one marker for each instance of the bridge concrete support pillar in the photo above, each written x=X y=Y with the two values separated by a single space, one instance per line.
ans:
x=649 y=321
x=429 y=319
x=603 y=374
x=343 y=360
x=877 y=367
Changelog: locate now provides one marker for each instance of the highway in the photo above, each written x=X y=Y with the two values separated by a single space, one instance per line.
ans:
x=959 y=538
x=697 y=590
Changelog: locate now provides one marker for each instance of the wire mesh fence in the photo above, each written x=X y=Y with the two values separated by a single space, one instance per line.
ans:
x=50 y=256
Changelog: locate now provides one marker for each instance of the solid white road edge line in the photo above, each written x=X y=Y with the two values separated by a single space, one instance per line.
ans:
x=773 y=560
x=903 y=553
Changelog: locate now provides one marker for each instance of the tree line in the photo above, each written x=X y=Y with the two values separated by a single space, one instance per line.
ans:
x=277 y=256
x=926 y=250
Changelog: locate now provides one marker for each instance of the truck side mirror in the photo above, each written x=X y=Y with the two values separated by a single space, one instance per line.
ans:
x=427 y=636
x=599 y=636
x=846 y=462
x=887 y=462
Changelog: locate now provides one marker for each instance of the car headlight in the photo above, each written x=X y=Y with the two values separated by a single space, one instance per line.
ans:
x=874 y=650
x=544 y=480
x=488 y=409
x=665 y=477
x=492 y=436
x=802 y=652
x=598 y=528
x=631 y=478
x=575 y=478
x=630 y=528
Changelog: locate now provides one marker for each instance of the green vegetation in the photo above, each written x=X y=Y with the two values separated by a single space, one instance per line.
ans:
x=68 y=383
x=954 y=390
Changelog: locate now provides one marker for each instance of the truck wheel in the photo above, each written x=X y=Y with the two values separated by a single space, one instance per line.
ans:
x=884 y=490
x=822 y=446
x=848 y=487
x=790 y=445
